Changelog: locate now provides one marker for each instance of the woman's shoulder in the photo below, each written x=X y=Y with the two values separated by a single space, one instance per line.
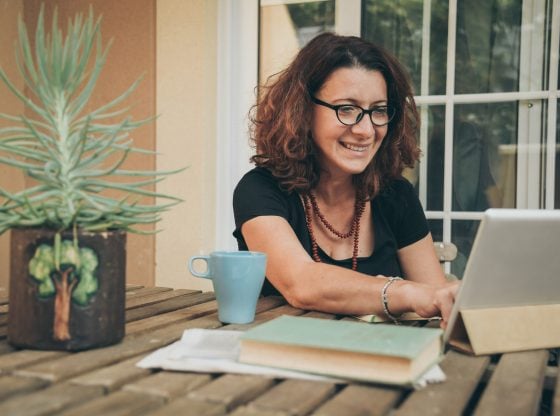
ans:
x=259 y=180
x=257 y=177
x=258 y=174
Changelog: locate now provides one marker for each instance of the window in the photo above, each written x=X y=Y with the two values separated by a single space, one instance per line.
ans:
x=486 y=78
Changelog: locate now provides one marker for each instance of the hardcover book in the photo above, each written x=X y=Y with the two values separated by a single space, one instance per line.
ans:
x=374 y=353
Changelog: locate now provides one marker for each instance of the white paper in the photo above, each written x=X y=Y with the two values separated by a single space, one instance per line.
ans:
x=216 y=351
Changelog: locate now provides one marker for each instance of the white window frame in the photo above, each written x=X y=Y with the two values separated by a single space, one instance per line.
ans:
x=237 y=75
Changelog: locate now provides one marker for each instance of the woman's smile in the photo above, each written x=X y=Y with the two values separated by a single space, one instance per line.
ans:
x=360 y=148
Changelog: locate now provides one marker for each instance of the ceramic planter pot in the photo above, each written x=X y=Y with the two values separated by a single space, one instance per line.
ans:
x=66 y=295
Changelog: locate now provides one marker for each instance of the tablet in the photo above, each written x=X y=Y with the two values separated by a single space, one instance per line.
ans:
x=514 y=261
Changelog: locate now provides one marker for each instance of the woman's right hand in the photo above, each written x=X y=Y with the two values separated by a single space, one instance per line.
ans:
x=429 y=301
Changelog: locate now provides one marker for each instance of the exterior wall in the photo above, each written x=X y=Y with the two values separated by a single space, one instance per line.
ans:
x=186 y=132
x=10 y=178
x=131 y=24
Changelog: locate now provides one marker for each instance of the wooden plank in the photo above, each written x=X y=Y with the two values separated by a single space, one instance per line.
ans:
x=185 y=406
x=86 y=361
x=452 y=396
x=5 y=347
x=168 y=318
x=50 y=400
x=294 y=397
x=232 y=390
x=131 y=287
x=359 y=400
x=145 y=291
x=135 y=302
x=114 y=376
x=121 y=403
x=168 y=385
x=12 y=385
x=23 y=358
x=515 y=388
x=193 y=312
x=168 y=306
x=266 y=316
x=249 y=411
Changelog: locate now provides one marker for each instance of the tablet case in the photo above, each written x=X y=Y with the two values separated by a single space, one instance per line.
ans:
x=506 y=329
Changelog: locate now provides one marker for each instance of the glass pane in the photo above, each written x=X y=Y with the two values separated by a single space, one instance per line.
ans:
x=488 y=46
x=484 y=156
x=557 y=162
x=462 y=235
x=285 y=28
x=436 y=228
x=434 y=157
x=397 y=25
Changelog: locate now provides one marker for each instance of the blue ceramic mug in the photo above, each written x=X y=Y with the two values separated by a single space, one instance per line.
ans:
x=238 y=277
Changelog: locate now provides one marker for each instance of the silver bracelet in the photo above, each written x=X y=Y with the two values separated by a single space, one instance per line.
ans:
x=385 y=301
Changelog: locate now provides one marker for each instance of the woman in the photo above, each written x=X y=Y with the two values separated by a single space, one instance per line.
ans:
x=327 y=202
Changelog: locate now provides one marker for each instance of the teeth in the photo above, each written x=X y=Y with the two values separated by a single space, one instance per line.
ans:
x=355 y=148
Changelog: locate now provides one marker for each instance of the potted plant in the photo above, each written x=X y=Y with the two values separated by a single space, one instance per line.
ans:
x=67 y=275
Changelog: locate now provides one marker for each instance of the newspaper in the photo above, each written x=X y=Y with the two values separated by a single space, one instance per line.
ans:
x=216 y=351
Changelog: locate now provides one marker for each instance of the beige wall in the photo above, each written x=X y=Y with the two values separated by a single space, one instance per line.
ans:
x=10 y=179
x=186 y=102
x=278 y=40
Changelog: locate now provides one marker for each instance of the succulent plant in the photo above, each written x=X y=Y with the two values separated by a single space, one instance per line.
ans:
x=73 y=153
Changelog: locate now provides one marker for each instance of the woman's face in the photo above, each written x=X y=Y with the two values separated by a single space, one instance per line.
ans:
x=347 y=150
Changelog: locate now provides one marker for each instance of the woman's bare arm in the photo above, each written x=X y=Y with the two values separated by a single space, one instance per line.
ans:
x=317 y=286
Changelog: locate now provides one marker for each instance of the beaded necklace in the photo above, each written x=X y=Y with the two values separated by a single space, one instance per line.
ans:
x=310 y=203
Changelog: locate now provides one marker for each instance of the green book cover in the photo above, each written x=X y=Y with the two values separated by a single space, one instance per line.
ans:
x=388 y=340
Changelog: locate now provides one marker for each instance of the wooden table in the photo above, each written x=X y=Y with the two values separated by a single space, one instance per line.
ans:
x=107 y=382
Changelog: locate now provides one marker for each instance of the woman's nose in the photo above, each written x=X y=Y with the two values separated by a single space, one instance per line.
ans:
x=364 y=127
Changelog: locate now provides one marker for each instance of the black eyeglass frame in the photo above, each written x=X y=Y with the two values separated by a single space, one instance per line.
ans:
x=390 y=111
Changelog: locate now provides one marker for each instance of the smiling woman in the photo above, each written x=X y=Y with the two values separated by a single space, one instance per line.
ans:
x=327 y=201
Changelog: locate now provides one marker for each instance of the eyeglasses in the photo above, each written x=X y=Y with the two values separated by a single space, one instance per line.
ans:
x=349 y=114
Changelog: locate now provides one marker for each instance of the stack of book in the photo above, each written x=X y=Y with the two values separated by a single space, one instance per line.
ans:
x=387 y=354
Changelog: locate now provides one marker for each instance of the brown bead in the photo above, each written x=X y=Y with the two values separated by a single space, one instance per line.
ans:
x=310 y=204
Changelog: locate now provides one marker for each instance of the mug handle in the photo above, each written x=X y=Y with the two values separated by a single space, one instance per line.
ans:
x=205 y=275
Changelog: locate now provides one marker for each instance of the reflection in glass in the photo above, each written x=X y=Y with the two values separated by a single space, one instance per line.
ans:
x=487 y=46
x=484 y=156
x=557 y=162
x=434 y=157
x=397 y=25
x=436 y=228
x=462 y=235
x=285 y=28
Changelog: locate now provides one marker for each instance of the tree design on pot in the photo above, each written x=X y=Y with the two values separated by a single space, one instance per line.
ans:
x=67 y=272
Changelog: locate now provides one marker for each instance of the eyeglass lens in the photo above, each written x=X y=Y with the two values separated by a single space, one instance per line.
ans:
x=350 y=115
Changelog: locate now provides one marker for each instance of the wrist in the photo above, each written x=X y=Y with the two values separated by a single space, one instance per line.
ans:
x=401 y=297
x=390 y=311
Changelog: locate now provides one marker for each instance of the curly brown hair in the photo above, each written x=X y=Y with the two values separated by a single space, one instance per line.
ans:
x=281 y=120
